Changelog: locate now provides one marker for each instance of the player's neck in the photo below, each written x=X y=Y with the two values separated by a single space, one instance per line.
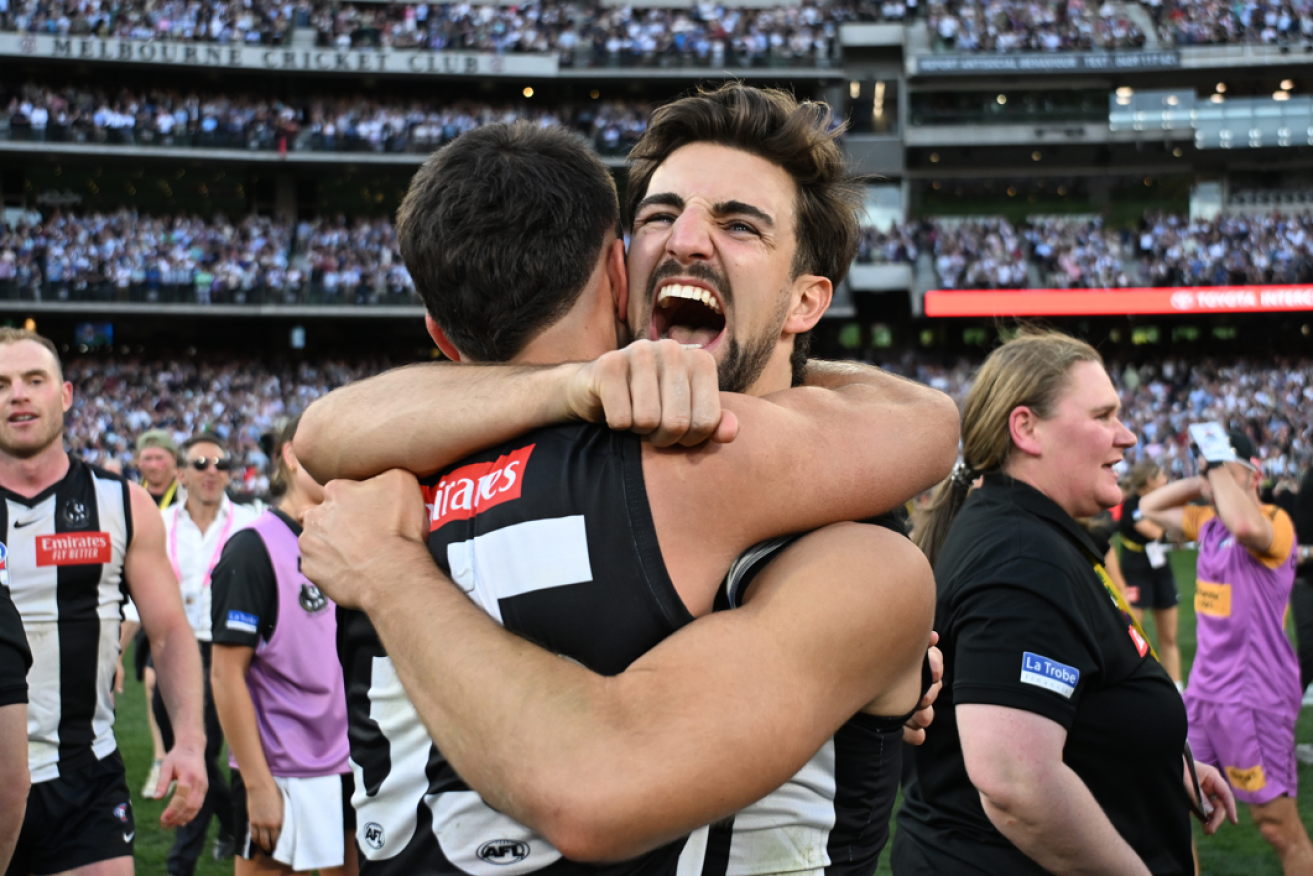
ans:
x=294 y=506
x=202 y=513
x=30 y=476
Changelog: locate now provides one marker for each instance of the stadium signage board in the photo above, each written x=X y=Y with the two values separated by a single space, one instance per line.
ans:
x=1118 y=302
x=1046 y=62
x=257 y=57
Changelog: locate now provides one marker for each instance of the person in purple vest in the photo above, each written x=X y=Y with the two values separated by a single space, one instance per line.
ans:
x=1243 y=697
x=279 y=692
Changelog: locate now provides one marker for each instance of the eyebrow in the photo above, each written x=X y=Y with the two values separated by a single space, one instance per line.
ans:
x=721 y=208
x=1107 y=409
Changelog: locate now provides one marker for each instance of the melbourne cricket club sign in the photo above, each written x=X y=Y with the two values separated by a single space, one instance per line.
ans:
x=1118 y=302
x=260 y=57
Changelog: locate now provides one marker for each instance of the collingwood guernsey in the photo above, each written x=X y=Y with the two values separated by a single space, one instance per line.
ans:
x=64 y=551
x=552 y=535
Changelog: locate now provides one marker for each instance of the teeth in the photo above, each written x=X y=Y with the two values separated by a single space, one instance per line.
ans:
x=692 y=293
x=691 y=346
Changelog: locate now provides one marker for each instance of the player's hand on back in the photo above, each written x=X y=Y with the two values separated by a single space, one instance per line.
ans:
x=186 y=766
x=358 y=537
x=659 y=389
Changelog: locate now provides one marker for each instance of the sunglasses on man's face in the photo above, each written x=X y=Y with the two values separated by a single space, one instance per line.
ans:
x=219 y=463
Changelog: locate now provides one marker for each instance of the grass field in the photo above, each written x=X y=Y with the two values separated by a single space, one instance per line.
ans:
x=1235 y=851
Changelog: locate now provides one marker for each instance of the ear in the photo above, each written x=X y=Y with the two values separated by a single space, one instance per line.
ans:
x=66 y=396
x=812 y=296
x=1022 y=424
x=289 y=456
x=618 y=276
x=440 y=338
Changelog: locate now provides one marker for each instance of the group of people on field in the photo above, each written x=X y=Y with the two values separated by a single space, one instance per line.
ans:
x=632 y=463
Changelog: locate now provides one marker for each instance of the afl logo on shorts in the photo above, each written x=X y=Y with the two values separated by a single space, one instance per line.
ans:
x=121 y=812
x=374 y=835
x=504 y=851
x=311 y=599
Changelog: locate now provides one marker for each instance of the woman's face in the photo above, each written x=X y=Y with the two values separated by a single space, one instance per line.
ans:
x=1081 y=442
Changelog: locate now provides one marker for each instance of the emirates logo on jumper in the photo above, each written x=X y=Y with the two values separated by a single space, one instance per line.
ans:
x=473 y=489
x=73 y=549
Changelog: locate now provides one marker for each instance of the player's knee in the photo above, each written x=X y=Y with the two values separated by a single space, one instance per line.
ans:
x=1280 y=827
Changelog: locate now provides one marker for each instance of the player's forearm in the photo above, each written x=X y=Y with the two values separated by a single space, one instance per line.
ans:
x=481 y=691
x=14 y=778
x=232 y=700
x=178 y=675
x=1164 y=505
x=1238 y=512
x=1055 y=820
x=425 y=417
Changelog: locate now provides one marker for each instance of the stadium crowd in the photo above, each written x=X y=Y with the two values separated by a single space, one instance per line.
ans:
x=1031 y=25
x=1270 y=400
x=582 y=33
x=1208 y=22
x=115 y=399
x=1165 y=250
x=127 y=257
x=162 y=117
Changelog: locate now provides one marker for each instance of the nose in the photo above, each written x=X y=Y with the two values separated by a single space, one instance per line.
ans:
x=690 y=237
x=1125 y=437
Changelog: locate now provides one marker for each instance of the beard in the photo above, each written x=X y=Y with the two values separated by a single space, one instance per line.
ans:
x=36 y=445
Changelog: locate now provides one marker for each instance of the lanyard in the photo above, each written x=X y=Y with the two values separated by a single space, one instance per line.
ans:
x=167 y=499
x=1122 y=605
x=218 y=548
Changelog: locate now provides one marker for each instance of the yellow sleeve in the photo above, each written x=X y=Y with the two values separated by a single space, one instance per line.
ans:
x=1193 y=518
x=1283 y=538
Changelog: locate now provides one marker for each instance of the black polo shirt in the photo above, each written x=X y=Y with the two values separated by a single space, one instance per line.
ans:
x=15 y=656
x=1025 y=622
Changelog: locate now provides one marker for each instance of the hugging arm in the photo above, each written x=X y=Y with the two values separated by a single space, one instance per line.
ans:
x=425 y=417
x=713 y=718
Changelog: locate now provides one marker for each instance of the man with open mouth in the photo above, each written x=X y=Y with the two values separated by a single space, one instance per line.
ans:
x=604 y=549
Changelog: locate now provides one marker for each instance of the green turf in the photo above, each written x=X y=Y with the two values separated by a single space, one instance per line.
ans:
x=1234 y=851
x=153 y=841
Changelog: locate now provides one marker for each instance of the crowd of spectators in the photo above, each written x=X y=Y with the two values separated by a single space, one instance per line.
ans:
x=1272 y=401
x=978 y=254
x=581 y=32
x=123 y=256
x=1231 y=249
x=163 y=117
x=1212 y=22
x=896 y=245
x=1076 y=253
x=1031 y=25
x=115 y=399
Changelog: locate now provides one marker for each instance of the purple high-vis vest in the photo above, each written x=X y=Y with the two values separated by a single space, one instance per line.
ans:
x=295 y=678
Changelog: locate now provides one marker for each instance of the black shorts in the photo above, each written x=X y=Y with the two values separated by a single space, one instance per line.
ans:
x=141 y=655
x=242 y=825
x=82 y=817
x=1157 y=586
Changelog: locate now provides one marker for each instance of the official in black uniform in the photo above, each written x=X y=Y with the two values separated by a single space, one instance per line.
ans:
x=15 y=660
x=1031 y=765
x=1145 y=566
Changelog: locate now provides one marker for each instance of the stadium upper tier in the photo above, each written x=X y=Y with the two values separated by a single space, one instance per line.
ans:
x=581 y=33
x=114 y=400
x=591 y=33
x=166 y=118
x=124 y=257
x=1082 y=253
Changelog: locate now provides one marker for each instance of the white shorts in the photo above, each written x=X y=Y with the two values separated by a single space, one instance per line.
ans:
x=317 y=818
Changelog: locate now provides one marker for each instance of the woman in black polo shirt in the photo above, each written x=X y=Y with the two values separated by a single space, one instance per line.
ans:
x=1058 y=739
x=1146 y=568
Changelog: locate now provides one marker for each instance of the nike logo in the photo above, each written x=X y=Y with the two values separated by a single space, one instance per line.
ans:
x=127 y=837
x=20 y=524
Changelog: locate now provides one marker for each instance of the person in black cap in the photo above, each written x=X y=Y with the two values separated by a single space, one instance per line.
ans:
x=1244 y=695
